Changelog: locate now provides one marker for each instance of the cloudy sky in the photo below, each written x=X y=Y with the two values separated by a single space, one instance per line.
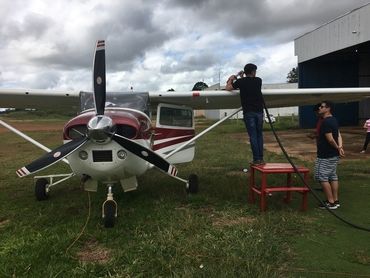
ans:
x=153 y=45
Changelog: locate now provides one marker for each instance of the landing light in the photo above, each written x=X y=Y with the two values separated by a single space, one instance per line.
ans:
x=83 y=155
x=121 y=154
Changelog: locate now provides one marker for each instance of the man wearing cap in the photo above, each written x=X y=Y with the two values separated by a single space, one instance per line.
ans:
x=252 y=104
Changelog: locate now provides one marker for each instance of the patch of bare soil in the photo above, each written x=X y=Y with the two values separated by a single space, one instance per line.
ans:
x=24 y=125
x=297 y=144
x=4 y=222
x=92 y=252
x=362 y=258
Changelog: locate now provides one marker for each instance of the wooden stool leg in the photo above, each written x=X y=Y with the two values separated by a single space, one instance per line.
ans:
x=263 y=192
x=304 y=198
x=252 y=183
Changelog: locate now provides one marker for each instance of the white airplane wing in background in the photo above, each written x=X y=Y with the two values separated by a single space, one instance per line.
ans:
x=40 y=99
x=273 y=97
x=69 y=100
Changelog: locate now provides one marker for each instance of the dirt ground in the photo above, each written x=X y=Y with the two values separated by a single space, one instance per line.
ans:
x=24 y=126
x=296 y=142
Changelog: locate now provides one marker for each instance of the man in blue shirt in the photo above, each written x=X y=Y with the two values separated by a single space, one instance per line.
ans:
x=252 y=103
x=329 y=149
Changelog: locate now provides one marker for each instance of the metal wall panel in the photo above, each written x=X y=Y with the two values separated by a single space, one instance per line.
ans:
x=342 y=32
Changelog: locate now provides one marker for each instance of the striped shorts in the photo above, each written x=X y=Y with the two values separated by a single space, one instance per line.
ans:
x=326 y=169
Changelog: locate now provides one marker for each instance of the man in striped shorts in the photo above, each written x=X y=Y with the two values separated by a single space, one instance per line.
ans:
x=329 y=149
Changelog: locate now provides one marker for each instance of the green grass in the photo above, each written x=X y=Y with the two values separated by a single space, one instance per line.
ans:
x=163 y=232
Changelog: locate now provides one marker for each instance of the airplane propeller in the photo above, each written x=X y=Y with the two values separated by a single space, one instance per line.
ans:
x=52 y=157
x=100 y=129
x=146 y=154
x=99 y=78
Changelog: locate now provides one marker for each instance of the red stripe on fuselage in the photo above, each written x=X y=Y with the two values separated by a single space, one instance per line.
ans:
x=168 y=133
x=171 y=142
x=165 y=133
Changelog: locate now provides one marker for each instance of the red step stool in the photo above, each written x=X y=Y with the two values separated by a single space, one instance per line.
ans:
x=264 y=189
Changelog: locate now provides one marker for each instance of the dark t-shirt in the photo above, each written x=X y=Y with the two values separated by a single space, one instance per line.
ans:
x=324 y=149
x=250 y=93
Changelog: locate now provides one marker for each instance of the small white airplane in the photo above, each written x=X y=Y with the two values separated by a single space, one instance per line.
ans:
x=113 y=139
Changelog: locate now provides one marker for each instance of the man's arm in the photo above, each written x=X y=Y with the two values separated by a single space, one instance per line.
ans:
x=329 y=137
x=229 y=83
x=340 y=144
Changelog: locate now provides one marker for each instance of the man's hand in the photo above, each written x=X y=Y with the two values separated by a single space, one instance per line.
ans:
x=240 y=73
x=341 y=151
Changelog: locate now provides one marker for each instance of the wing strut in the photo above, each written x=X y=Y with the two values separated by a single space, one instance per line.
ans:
x=29 y=139
x=202 y=133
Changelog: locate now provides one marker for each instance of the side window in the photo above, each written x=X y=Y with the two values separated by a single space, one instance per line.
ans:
x=176 y=116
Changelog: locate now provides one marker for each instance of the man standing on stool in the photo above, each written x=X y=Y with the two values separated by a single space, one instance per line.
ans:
x=252 y=104
x=329 y=149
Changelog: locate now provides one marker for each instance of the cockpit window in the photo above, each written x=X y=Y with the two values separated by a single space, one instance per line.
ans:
x=176 y=116
x=137 y=101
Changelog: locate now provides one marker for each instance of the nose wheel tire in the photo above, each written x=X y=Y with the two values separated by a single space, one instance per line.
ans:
x=192 y=185
x=109 y=209
x=109 y=213
x=41 y=189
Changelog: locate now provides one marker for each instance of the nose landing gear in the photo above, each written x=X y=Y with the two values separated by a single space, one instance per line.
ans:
x=109 y=210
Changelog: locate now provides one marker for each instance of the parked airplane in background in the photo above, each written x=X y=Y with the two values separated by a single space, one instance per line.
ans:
x=113 y=139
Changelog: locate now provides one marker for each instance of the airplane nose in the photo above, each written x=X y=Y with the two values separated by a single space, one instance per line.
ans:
x=99 y=127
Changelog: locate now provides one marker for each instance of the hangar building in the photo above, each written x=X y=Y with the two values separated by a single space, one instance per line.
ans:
x=336 y=54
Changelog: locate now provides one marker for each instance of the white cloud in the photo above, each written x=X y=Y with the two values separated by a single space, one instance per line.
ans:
x=153 y=45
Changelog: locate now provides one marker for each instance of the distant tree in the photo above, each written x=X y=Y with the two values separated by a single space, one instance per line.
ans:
x=199 y=86
x=292 y=76
x=170 y=90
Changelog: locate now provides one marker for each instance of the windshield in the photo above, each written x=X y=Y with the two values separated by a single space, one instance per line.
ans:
x=137 y=101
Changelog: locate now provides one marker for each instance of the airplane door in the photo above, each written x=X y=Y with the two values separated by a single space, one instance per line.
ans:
x=174 y=127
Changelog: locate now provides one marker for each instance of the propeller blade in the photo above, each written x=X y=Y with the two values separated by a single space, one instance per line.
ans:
x=99 y=77
x=146 y=154
x=51 y=157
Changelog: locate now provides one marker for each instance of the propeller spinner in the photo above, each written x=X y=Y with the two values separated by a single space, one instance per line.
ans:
x=99 y=128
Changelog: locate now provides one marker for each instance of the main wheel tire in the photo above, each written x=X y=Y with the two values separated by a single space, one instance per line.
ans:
x=109 y=214
x=192 y=184
x=41 y=189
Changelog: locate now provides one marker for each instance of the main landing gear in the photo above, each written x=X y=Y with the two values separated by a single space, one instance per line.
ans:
x=41 y=189
x=109 y=209
x=192 y=185
x=44 y=183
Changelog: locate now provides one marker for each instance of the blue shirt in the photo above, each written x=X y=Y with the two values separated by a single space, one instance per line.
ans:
x=324 y=149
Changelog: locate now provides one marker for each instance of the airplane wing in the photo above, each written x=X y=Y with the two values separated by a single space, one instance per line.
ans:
x=273 y=97
x=40 y=99
x=69 y=100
